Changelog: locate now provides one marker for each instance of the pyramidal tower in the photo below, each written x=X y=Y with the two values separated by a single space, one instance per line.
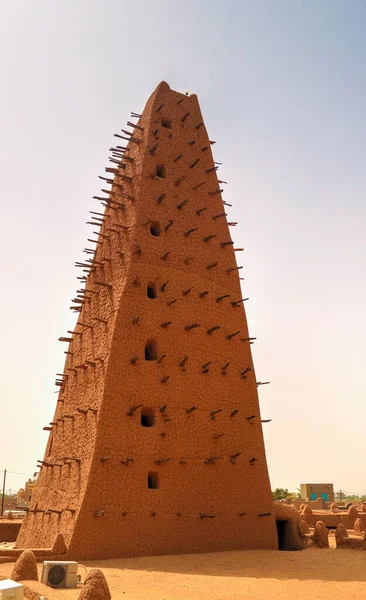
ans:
x=156 y=445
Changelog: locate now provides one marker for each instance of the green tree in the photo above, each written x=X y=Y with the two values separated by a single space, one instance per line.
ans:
x=281 y=494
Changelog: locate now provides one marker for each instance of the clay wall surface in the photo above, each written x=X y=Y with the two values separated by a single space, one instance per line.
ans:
x=205 y=450
x=9 y=530
x=317 y=504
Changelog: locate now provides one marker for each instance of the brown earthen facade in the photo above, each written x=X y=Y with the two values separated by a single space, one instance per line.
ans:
x=24 y=495
x=312 y=491
x=156 y=445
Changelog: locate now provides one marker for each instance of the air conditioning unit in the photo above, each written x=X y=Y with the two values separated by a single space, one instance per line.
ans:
x=11 y=590
x=58 y=574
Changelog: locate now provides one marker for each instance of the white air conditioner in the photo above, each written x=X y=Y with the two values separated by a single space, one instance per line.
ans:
x=59 y=574
x=11 y=590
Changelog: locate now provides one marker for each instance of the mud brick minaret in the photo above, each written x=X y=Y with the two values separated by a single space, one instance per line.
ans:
x=156 y=446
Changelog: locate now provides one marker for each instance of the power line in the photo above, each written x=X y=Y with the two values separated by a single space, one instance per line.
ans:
x=16 y=473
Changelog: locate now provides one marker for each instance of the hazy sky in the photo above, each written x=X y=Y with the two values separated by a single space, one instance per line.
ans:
x=282 y=89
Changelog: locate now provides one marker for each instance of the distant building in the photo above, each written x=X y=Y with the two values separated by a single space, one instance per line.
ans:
x=10 y=501
x=312 y=491
x=25 y=494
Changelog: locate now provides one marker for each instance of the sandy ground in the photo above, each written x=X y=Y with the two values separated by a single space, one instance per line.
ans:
x=315 y=573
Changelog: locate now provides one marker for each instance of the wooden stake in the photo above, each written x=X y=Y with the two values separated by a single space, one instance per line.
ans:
x=180 y=206
x=133 y=409
x=210 y=331
x=198 y=212
x=103 y=284
x=231 y=335
x=195 y=187
x=188 y=233
x=134 y=126
x=212 y=459
x=234 y=456
x=213 y=413
x=183 y=362
x=94 y=241
x=237 y=302
x=193 y=326
x=106 y=237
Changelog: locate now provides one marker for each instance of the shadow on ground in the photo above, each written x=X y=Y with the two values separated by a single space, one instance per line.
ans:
x=310 y=564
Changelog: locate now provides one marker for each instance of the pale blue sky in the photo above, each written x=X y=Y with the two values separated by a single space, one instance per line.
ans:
x=282 y=89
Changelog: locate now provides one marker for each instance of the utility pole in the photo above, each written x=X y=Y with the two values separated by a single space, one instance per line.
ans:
x=3 y=496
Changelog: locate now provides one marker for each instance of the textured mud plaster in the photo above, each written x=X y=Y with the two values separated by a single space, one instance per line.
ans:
x=95 y=587
x=320 y=536
x=162 y=335
x=9 y=530
x=25 y=567
x=290 y=527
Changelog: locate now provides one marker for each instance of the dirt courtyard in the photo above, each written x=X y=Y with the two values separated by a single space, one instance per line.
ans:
x=313 y=573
